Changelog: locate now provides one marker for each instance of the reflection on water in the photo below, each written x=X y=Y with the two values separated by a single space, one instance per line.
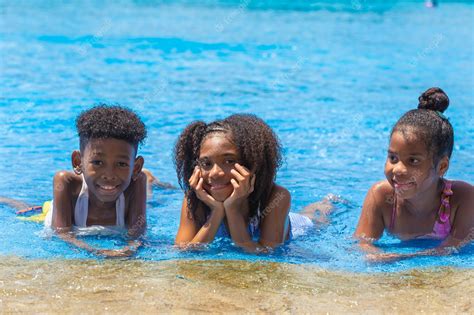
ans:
x=219 y=286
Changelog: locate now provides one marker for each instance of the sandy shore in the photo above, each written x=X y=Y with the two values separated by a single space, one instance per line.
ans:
x=49 y=286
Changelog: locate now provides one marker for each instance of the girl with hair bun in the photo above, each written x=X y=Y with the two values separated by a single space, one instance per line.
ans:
x=415 y=200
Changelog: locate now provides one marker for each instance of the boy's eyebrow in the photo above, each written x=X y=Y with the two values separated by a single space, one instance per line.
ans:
x=123 y=156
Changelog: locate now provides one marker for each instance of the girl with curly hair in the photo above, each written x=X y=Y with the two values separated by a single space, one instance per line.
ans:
x=227 y=169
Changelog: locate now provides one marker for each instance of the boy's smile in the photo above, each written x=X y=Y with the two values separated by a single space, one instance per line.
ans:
x=107 y=165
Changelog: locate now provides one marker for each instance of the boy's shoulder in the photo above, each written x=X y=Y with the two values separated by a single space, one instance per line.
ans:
x=66 y=180
x=68 y=176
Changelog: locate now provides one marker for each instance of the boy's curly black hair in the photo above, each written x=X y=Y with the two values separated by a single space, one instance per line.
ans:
x=259 y=149
x=429 y=124
x=110 y=121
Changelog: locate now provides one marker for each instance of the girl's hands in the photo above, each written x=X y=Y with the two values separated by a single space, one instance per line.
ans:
x=244 y=184
x=383 y=257
x=196 y=182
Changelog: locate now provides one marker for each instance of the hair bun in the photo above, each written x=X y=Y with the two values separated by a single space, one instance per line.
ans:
x=434 y=99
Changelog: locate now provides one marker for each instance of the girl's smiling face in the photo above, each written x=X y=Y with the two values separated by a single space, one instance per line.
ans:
x=107 y=165
x=410 y=167
x=216 y=159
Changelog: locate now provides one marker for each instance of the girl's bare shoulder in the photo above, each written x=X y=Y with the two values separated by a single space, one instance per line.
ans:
x=280 y=192
x=280 y=198
x=462 y=192
x=382 y=193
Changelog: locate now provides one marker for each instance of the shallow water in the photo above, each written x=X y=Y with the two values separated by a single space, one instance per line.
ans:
x=331 y=77
x=221 y=286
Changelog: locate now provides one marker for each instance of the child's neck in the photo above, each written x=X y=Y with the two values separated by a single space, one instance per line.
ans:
x=96 y=204
x=424 y=204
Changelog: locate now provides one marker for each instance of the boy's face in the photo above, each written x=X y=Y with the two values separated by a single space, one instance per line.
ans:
x=108 y=166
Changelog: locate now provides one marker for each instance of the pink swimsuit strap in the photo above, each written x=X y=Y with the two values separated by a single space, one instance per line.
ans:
x=442 y=226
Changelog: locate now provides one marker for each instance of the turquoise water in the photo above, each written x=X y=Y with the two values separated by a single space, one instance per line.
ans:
x=330 y=78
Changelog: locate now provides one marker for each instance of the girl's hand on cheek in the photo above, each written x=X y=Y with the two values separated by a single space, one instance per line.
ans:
x=244 y=184
x=196 y=183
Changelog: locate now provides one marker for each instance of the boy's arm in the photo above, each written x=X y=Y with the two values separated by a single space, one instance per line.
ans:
x=126 y=251
x=136 y=218
x=63 y=187
x=63 y=183
x=17 y=204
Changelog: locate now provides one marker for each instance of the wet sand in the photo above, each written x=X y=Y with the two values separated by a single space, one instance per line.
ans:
x=128 y=286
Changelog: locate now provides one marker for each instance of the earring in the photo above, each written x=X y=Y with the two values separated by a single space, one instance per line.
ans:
x=77 y=170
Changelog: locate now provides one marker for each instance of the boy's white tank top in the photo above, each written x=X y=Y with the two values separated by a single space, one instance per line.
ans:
x=81 y=210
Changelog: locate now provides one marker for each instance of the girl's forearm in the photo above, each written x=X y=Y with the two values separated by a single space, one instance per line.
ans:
x=438 y=251
x=239 y=232
x=207 y=232
x=448 y=247
x=368 y=247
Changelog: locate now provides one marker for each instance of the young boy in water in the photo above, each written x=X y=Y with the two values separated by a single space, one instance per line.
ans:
x=107 y=187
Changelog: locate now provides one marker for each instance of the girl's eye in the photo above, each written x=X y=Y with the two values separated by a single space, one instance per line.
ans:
x=414 y=161
x=230 y=161
x=122 y=164
x=204 y=164
x=97 y=162
x=392 y=158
